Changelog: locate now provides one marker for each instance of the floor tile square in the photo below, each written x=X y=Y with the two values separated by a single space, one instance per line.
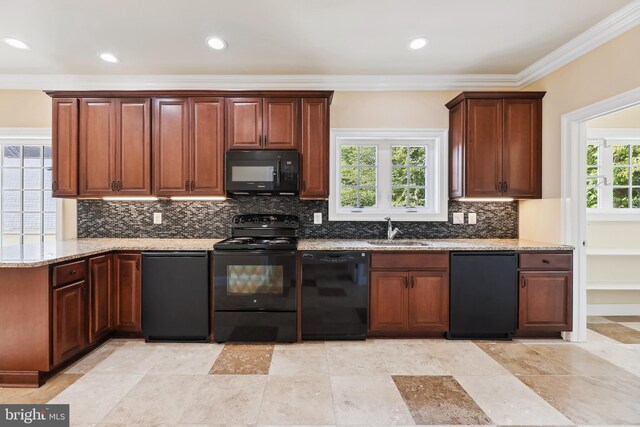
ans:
x=243 y=359
x=519 y=359
x=302 y=400
x=43 y=394
x=303 y=361
x=356 y=359
x=189 y=360
x=578 y=361
x=617 y=332
x=439 y=400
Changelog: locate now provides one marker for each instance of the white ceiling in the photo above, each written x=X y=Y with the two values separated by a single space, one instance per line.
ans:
x=288 y=37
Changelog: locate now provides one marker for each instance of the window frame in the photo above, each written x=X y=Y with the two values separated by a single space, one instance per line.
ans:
x=610 y=137
x=437 y=172
x=30 y=136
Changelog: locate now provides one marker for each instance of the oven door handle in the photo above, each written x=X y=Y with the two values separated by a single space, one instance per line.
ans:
x=241 y=252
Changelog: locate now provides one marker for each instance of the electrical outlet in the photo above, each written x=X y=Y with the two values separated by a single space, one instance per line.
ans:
x=458 y=218
x=473 y=218
x=317 y=218
x=157 y=218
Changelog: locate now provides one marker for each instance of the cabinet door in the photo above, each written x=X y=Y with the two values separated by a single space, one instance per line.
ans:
x=484 y=148
x=207 y=146
x=171 y=146
x=65 y=147
x=97 y=146
x=69 y=321
x=244 y=123
x=280 y=123
x=133 y=162
x=456 y=151
x=389 y=299
x=100 y=296
x=545 y=301
x=128 y=293
x=522 y=148
x=429 y=301
x=315 y=149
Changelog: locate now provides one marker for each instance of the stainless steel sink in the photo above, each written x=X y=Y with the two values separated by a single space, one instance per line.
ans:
x=397 y=243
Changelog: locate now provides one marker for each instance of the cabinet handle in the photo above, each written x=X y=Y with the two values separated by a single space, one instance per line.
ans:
x=260 y=140
x=413 y=282
x=193 y=185
x=524 y=281
x=54 y=185
x=137 y=264
x=264 y=140
x=118 y=186
x=505 y=187
x=72 y=272
x=406 y=282
x=186 y=185
x=113 y=184
x=545 y=261
x=499 y=187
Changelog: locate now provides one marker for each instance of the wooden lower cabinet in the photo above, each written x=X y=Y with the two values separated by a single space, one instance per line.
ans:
x=409 y=302
x=69 y=321
x=100 y=296
x=429 y=300
x=388 y=301
x=128 y=289
x=545 y=301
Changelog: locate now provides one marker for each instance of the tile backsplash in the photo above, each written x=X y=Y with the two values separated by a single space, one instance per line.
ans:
x=212 y=219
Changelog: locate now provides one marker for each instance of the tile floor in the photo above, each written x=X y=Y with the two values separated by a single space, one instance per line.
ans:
x=375 y=382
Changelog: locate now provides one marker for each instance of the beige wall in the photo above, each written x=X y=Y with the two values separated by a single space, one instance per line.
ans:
x=25 y=109
x=604 y=72
x=627 y=118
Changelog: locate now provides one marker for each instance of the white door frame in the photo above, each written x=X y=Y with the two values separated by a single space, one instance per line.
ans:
x=573 y=196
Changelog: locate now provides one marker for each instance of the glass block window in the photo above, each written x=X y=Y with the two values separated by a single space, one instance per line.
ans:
x=27 y=209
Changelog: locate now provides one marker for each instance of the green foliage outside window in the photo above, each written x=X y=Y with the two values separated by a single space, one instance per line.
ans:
x=408 y=176
x=358 y=170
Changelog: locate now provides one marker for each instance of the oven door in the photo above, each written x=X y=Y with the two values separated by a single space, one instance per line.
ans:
x=255 y=280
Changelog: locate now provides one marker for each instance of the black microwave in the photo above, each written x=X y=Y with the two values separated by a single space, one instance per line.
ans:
x=269 y=172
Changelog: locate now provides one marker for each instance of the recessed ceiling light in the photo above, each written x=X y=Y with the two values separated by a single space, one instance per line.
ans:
x=216 y=43
x=418 y=43
x=108 y=57
x=19 y=44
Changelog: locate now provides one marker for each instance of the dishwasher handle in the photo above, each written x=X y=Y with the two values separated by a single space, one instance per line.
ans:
x=333 y=257
x=162 y=254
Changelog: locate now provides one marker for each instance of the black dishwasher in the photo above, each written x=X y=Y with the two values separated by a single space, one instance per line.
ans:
x=483 y=295
x=175 y=296
x=335 y=292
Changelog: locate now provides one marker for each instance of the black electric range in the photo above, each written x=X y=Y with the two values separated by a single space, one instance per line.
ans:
x=255 y=280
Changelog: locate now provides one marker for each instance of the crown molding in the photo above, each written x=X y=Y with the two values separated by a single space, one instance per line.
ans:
x=609 y=28
x=258 y=82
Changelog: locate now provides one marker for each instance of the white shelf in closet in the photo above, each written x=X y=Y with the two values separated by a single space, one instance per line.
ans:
x=613 y=286
x=613 y=252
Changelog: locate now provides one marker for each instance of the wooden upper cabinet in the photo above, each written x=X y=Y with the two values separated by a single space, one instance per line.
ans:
x=171 y=146
x=97 y=146
x=484 y=148
x=244 y=123
x=429 y=301
x=207 y=146
x=522 y=148
x=456 y=151
x=280 y=123
x=495 y=145
x=65 y=147
x=133 y=157
x=127 y=287
x=101 y=296
x=314 y=149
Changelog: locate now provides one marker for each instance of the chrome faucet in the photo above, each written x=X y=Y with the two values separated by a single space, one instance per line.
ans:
x=391 y=232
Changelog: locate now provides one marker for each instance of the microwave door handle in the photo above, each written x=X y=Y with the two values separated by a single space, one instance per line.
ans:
x=278 y=172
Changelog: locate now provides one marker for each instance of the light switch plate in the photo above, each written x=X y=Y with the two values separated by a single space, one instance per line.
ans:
x=317 y=218
x=458 y=218
x=157 y=218
x=473 y=218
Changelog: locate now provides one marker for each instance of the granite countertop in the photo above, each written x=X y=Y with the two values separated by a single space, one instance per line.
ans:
x=429 y=245
x=35 y=255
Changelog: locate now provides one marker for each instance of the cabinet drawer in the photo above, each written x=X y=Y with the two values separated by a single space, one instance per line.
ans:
x=68 y=273
x=542 y=261
x=410 y=261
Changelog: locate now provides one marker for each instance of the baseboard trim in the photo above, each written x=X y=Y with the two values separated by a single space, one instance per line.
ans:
x=613 y=309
